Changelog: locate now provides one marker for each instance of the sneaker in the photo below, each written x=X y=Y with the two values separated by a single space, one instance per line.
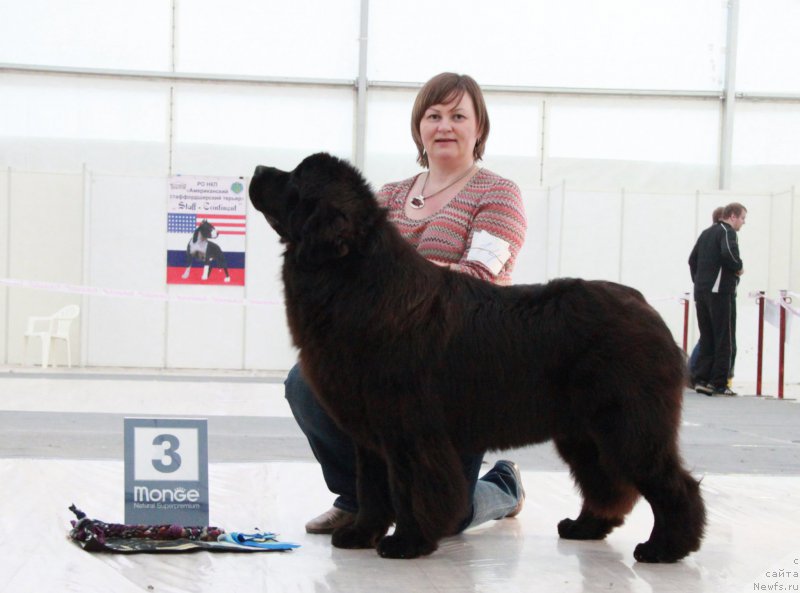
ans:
x=330 y=520
x=511 y=469
x=727 y=391
x=704 y=388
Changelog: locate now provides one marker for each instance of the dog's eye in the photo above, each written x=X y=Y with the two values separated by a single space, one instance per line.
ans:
x=298 y=211
x=291 y=197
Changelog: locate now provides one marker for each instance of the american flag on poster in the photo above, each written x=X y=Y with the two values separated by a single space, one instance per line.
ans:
x=206 y=228
x=226 y=224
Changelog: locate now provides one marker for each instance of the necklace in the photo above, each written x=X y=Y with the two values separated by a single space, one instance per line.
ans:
x=418 y=202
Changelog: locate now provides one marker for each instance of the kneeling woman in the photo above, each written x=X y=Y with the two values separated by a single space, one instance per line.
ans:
x=456 y=214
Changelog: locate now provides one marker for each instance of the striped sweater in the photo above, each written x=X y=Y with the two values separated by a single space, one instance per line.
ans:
x=479 y=232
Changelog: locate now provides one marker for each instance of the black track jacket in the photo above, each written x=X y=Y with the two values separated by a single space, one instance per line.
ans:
x=715 y=260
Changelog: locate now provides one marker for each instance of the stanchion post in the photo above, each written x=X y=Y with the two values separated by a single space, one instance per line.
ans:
x=759 y=370
x=782 y=345
x=685 y=300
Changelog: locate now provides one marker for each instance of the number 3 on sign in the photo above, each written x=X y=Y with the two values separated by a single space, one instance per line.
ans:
x=170 y=460
x=166 y=453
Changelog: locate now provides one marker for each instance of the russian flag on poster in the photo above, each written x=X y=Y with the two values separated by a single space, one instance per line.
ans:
x=206 y=227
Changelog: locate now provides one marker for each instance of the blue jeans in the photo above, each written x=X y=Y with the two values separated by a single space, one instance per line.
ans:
x=493 y=496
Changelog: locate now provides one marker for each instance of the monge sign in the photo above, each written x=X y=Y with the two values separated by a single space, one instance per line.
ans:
x=166 y=471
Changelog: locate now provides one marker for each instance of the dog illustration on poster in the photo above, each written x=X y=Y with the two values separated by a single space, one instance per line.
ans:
x=208 y=252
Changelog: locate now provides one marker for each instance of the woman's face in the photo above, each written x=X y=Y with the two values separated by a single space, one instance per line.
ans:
x=449 y=132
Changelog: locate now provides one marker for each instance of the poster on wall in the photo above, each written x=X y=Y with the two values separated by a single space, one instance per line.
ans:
x=206 y=228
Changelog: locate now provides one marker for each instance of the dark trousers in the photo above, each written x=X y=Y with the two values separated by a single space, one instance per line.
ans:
x=733 y=334
x=335 y=451
x=493 y=496
x=716 y=347
x=696 y=350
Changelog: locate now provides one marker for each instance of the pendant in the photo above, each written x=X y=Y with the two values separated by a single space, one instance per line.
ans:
x=418 y=202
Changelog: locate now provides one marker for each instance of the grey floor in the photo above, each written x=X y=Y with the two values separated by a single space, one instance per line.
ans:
x=61 y=442
x=750 y=435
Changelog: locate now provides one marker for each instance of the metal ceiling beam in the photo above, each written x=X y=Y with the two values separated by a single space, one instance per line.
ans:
x=172 y=77
x=189 y=77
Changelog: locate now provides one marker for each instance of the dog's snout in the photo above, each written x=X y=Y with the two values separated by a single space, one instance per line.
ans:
x=267 y=187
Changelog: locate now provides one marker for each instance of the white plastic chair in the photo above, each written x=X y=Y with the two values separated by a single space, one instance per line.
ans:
x=54 y=327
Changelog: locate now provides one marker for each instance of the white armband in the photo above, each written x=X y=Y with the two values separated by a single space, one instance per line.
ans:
x=493 y=252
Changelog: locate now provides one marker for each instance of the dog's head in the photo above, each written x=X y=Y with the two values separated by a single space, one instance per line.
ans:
x=323 y=210
x=207 y=230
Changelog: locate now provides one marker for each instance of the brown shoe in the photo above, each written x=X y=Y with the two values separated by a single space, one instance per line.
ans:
x=517 y=509
x=330 y=520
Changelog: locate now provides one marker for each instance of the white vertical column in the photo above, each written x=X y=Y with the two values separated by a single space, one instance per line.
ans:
x=7 y=263
x=86 y=275
x=361 y=91
x=729 y=96
x=621 y=254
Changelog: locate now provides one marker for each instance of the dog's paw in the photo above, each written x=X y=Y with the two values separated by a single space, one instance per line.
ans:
x=185 y=275
x=653 y=552
x=394 y=546
x=567 y=530
x=352 y=538
x=585 y=528
x=227 y=278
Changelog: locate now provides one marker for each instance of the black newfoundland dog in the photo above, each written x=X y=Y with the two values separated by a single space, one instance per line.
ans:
x=419 y=364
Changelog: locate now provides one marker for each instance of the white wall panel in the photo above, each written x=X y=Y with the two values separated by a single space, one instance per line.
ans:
x=45 y=230
x=87 y=33
x=575 y=43
x=768 y=51
x=516 y=125
x=658 y=233
x=767 y=134
x=302 y=38
x=4 y=248
x=664 y=131
x=532 y=265
x=612 y=174
x=205 y=335
x=591 y=235
x=127 y=250
x=275 y=117
x=70 y=156
x=267 y=340
x=390 y=153
x=71 y=108
x=61 y=123
x=781 y=241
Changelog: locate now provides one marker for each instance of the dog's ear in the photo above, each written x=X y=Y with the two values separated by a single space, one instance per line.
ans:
x=326 y=235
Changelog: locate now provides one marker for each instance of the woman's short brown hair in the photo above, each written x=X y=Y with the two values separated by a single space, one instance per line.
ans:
x=443 y=88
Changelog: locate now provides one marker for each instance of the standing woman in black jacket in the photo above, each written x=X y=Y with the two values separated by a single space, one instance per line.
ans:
x=715 y=266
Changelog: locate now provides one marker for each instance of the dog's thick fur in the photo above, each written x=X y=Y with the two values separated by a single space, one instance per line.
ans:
x=419 y=364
